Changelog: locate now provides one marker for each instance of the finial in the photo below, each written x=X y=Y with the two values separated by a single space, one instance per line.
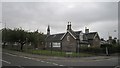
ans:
x=48 y=28
x=68 y=23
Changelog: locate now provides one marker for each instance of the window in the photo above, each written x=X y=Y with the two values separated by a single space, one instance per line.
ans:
x=68 y=38
x=88 y=45
x=49 y=44
x=56 y=44
x=81 y=36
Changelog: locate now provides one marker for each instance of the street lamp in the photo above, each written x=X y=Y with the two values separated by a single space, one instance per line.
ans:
x=110 y=42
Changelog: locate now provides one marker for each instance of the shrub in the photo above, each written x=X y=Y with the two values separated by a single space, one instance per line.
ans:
x=111 y=48
x=91 y=49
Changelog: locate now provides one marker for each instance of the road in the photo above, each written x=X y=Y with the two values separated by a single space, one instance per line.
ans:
x=9 y=59
x=14 y=60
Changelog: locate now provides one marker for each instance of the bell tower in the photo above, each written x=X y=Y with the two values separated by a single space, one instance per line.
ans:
x=69 y=26
x=48 y=30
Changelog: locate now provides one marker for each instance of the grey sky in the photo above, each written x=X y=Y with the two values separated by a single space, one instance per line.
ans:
x=97 y=16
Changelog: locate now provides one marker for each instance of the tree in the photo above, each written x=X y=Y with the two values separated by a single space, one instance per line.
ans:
x=22 y=36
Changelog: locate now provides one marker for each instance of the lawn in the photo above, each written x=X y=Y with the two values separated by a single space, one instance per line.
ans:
x=59 y=53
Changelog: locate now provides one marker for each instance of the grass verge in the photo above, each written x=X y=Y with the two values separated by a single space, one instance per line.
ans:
x=58 y=53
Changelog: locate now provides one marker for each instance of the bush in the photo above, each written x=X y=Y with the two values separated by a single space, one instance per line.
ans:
x=111 y=48
x=91 y=49
x=114 y=49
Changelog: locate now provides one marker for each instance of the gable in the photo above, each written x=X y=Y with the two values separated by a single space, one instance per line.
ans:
x=91 y=35
x=73 y=35
x=96 y=36
x=68 y=39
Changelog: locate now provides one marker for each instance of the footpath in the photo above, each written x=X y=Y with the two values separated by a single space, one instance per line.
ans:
x=54 y=58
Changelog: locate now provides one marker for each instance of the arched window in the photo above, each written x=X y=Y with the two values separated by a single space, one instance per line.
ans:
x=68 y=38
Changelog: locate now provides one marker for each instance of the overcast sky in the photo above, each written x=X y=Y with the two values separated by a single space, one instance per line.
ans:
x=101 y=17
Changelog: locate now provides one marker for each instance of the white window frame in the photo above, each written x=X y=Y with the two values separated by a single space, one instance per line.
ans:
x=56 y=44
x=81 y=36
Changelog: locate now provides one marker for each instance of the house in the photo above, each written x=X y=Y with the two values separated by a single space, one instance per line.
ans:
x=103 y=42
x=112 y=41
x=71 y=40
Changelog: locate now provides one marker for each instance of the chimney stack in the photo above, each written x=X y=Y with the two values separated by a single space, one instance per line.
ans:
x=86 y=30
x=70 y=26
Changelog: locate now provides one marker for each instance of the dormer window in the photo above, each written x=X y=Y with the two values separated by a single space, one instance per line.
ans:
x=68 y=38
x=81 y=36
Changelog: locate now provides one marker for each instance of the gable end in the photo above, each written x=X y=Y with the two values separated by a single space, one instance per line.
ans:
x=66 y=34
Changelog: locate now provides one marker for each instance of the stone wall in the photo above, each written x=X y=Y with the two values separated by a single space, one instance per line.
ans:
x=69 y=45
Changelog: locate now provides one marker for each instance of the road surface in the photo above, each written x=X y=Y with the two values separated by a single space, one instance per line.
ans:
x=9 y=59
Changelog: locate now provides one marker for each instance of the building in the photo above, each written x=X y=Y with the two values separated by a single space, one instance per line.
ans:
x=112 y=41
x=71 y=40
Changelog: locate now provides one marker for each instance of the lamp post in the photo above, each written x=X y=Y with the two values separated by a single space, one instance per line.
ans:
x=110 y=42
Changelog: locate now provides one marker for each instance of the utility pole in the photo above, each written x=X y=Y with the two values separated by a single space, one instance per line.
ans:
x=106 y=49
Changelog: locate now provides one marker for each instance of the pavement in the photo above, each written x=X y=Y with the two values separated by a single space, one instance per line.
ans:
x=15 y=58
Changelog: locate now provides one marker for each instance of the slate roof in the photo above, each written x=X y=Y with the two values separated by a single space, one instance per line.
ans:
x=77 y=34
x=90 y=36
x=57 y=37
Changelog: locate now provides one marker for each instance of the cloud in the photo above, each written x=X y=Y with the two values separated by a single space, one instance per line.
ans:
x=37 y=15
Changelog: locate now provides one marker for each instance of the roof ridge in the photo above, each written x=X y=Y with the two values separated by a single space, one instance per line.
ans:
x=77 y=31
x=57 y=33
x=90 y=32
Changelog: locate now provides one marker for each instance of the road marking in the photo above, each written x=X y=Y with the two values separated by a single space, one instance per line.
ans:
x=42 y=61
x=20 y=66
x=10 y=54
x=55 y=64
x=61 y=65
x=26 y=57
x=33 y=58
x=5 y=61
x=48 y=62
x=29 y=58
x=117 y=67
